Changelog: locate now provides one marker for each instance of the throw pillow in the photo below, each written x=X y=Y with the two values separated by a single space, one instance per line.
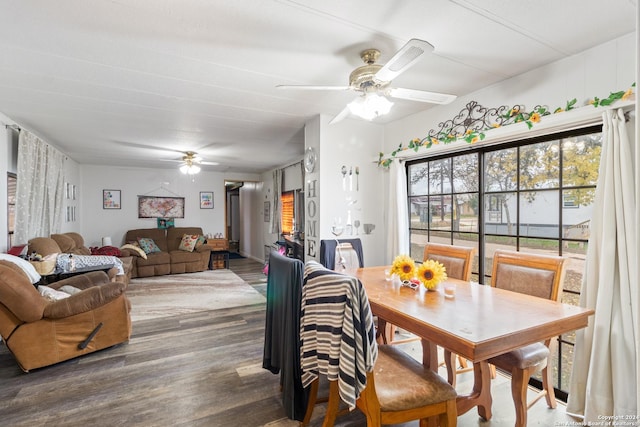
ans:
x=136 y=248
x=148 y=245
x=188 y=242
x=106 y=250
x=201 y=241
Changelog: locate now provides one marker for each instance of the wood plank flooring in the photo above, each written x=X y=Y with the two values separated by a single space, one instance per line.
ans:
x=200 y=369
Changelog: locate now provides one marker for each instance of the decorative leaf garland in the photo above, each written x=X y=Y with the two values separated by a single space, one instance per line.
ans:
x=471 y=122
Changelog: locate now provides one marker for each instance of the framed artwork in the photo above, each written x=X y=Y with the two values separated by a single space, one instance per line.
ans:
x=111 y=199
x=160 y=207
x=206 y=200
x=166 y=222
x=267 y=211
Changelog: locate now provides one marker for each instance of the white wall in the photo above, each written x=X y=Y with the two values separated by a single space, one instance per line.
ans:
x=606 y=68
x=251 y=235
x=96 y=222
x=351 y=143
x=8 y=163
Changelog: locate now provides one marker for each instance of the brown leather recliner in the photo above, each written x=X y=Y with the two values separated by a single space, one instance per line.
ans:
x=39 y=332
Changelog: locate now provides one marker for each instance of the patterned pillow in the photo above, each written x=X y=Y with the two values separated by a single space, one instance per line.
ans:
x=188 y=242
x=148 y=245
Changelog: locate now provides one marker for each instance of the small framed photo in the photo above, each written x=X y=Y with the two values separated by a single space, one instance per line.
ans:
x=267 y=211
x=111 y=199
x=206 y=200
x=166 y=223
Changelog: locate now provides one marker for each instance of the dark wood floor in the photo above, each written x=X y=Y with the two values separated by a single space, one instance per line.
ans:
x=199 y=369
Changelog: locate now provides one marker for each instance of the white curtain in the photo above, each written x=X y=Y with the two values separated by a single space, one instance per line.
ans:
x=605 y=360
x=39 y=195
x=398 y=220
x=275 y=200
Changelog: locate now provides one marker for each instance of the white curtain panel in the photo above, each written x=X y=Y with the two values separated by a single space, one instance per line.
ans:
x=40 y=191
x=605 y=359
x=275 y=201
x=398 y=220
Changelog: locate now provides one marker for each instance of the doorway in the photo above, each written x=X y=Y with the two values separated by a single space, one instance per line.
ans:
x=233 y=224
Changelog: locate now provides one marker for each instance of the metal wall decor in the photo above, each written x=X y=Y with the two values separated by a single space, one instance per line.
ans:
x=476 y=118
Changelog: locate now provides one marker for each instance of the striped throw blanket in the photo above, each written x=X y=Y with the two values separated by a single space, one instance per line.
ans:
x=336 y=331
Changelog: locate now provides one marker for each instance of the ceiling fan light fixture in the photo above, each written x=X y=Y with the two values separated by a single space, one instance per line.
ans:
x=370 y=105
x=189 y=169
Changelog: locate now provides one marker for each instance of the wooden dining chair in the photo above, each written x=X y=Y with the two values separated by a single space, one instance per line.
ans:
x=457 y=261
x=338 y=341
x=541 y=276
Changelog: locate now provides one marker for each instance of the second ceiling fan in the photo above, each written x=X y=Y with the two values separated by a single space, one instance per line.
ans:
x=374 y=80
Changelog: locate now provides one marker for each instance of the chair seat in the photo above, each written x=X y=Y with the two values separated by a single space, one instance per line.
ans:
x=403 y=383
x=532 y=355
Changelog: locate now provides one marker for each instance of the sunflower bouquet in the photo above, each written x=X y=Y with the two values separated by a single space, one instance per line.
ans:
x=431 y=273
x=404 y=267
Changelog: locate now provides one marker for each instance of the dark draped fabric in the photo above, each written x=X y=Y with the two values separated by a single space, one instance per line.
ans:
x=328 y=251
x=282 y=331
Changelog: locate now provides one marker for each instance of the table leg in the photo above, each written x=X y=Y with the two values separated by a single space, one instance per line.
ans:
x=430 y=355
x=381 y=333
x=480 y=396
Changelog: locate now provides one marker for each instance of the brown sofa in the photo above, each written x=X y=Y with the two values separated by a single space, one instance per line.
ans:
x=170 y=260
x=40 y=332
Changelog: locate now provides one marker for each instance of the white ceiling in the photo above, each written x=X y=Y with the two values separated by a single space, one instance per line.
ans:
x=133 y=82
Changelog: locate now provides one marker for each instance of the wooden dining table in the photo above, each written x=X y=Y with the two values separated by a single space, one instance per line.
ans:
x=478 y=323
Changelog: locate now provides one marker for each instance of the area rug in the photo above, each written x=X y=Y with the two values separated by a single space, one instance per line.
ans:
x=162 y=296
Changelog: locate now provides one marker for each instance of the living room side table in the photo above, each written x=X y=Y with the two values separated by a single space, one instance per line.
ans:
x=219 y=257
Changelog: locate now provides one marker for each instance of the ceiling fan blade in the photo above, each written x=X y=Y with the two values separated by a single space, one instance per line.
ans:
x=420 y=95
x=407 y=56
x=312 y=87
x=341 y=116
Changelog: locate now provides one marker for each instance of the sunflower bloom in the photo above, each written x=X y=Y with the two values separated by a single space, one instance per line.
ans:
x=535 y=118
x=434 y=141
x=431 y=273
x=404 y=267
x=627 y=94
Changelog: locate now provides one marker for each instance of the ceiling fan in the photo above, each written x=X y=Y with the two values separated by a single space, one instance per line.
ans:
x=191 y=163
x=373 y=82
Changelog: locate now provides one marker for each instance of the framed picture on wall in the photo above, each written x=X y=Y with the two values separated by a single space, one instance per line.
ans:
x=160 y=207
x=111 y=199
x=267 y=211
x=206 y=200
